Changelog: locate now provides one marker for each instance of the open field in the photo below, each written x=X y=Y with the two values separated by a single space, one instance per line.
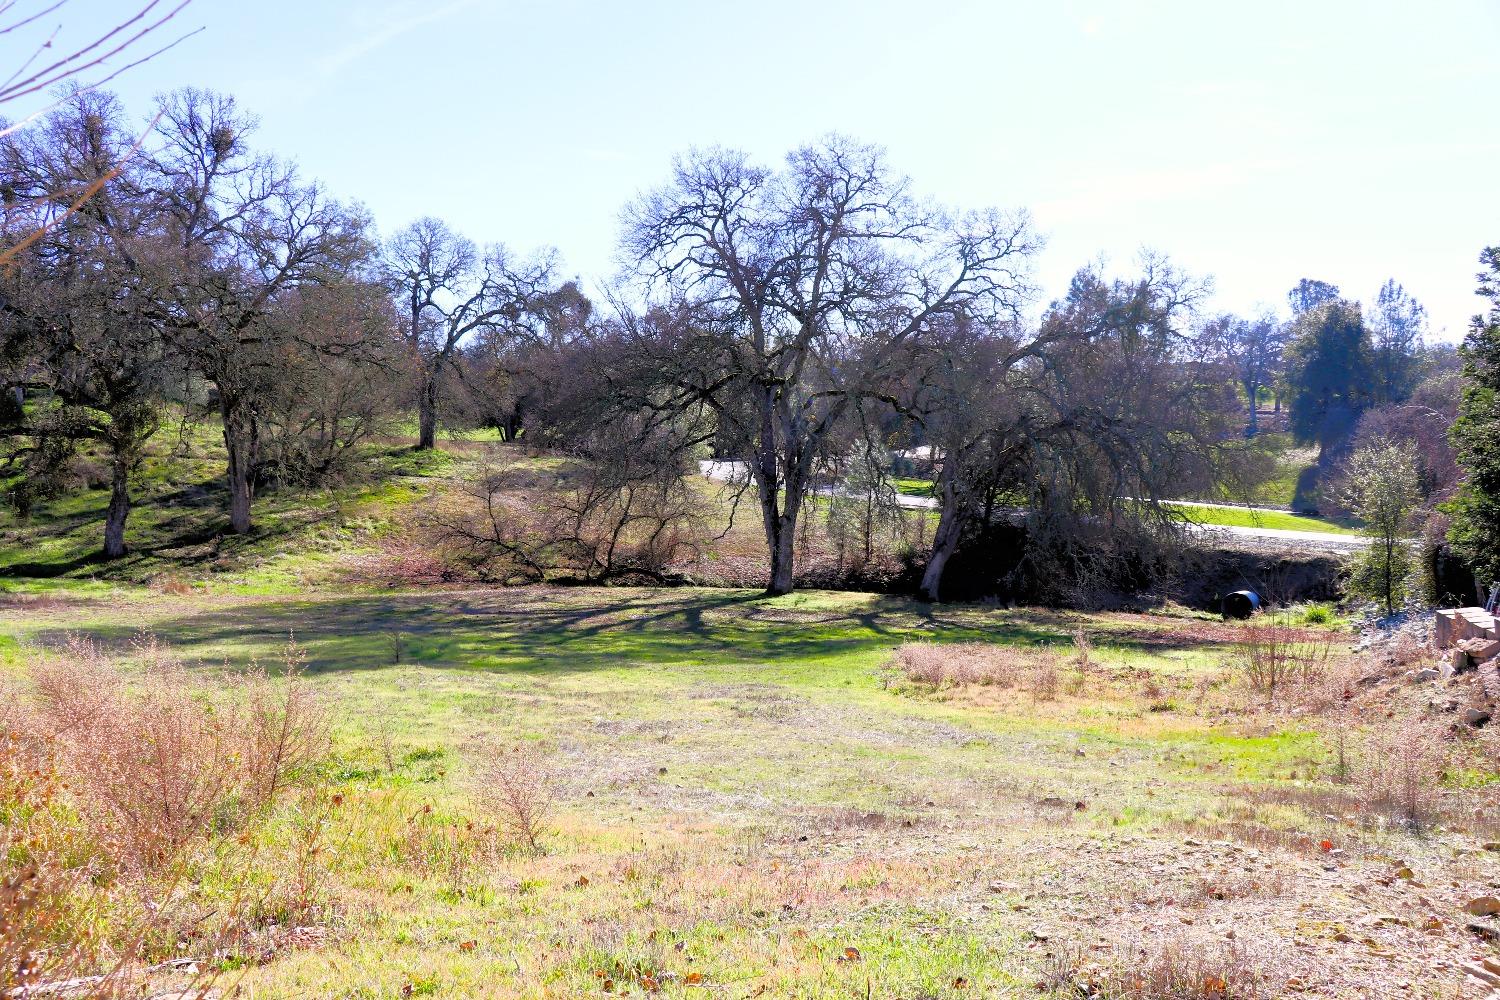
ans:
x=1244 y=517
x=752 y=801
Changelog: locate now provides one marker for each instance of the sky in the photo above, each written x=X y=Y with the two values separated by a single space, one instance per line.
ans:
x=1254 y=143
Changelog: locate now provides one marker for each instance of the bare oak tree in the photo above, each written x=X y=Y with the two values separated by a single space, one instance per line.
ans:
x=450 y=291
x=799 y=291
x=243 y=231
x=1253 y=348
x=1077 y=428
x=78 y=294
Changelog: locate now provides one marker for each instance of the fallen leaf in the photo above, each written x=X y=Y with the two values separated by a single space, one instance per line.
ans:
x=693 y=978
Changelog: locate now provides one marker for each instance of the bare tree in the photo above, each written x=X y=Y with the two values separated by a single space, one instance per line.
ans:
x=343 y=364
x=78 y=293
x=68 y=68
x=242 y=232
x=451 y=291
x=1252 y=347
x=968 y=395
x=798 y=292
x=1079 y=428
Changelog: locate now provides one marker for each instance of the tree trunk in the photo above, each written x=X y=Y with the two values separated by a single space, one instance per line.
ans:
x=781 y=541
x=780 y=522
x=240 y=443
x=119 y=505
x=1252 y=391
x=944 y=543
x=427 y=413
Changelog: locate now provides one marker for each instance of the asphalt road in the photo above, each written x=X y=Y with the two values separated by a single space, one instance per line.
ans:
x=1277 y=538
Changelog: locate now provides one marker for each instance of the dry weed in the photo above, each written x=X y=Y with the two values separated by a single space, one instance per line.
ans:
x=941 y=665
x=155 y=765
x=1275 y=656
x=1399 y=772
x=518 y=786
x=1170 y=968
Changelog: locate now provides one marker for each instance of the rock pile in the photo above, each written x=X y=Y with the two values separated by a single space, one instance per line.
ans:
x=1451 y=648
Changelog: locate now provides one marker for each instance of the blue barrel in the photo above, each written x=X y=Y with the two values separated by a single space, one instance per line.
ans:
x=1240 y=604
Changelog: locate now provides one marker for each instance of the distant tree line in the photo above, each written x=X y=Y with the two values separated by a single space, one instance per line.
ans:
x=800 y=324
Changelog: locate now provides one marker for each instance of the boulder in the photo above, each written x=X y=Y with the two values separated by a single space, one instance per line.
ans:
x=1475 y=717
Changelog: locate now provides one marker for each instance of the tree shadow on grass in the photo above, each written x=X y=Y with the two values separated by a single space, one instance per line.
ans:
x=545 y=631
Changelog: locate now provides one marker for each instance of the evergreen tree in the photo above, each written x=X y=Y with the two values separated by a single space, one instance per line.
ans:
x=1475 y=533
x=1329 y=373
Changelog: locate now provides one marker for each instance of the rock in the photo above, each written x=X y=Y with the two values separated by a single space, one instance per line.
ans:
x=1475 y=717
x=1483 y=906
x=1482 y=931
x=1492 y=845
x=1422 y=676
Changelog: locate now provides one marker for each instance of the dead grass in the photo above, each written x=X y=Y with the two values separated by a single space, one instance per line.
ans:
x=1176 y=967
x=940 y=665
x=517 y=785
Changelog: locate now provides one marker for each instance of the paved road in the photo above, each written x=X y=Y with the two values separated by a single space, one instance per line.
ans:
x=1279 y=538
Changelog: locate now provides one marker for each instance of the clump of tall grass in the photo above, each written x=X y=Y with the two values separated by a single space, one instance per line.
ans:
x=1275 y=656
x=113 y=784
x=946 y=665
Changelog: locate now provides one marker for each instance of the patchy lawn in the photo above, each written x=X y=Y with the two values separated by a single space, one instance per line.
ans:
x=751 y=800
x=1247 y=518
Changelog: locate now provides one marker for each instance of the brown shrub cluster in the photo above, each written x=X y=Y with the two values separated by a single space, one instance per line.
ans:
x=942 y=665
x=153 y=763
x=109 y=782
x=1275 y=657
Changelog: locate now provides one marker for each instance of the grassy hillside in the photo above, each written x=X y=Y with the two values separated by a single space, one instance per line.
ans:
x=178 y=527
x=365 y=527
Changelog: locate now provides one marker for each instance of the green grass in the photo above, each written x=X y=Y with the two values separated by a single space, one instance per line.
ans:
x=745 y=792
x=1244 y=518
x=178 y=527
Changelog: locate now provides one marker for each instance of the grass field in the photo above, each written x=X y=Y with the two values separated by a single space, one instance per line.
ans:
x=1246 y=518
x=751 y=802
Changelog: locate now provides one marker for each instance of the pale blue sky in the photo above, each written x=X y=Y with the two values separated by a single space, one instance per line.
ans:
x=1258 y=143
